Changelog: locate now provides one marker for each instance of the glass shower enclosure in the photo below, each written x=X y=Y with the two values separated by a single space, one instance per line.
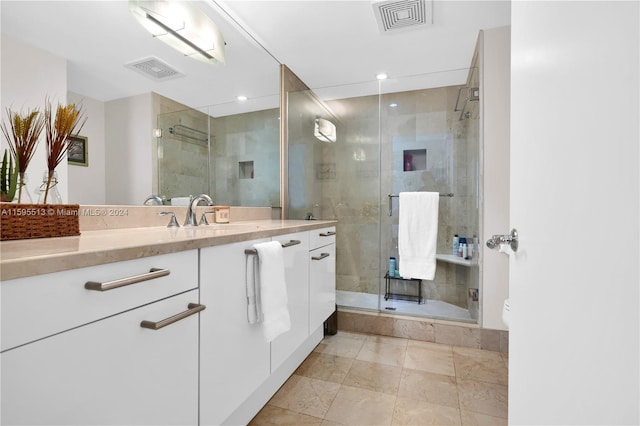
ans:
x=417 y=139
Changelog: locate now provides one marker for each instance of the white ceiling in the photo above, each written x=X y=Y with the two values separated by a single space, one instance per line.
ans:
x=328 y=44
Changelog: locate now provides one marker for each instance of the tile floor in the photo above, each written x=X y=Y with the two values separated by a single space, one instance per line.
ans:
x=359 y=379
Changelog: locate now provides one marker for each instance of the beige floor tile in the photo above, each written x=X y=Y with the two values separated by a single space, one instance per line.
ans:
x=345 y=345
x=382 y=353
x=275 y=416
x=353 y=406
x=305 y=395
x=430 y=357
x=374 y=376
x=481 y=365
x=330 y=423
x=414 y=412
x=332 y=368
x=482 y=397
x=469 y=418
x=350 y=334
x=435 y=388
x=397 y=341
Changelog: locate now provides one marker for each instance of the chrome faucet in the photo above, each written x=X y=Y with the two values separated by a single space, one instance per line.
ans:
x=191 y=211
x=153 y=200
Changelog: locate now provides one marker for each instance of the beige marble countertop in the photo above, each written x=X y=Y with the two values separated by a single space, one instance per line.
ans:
x=24 y=258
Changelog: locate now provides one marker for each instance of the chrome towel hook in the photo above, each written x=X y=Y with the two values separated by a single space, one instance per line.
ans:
x=511 y=239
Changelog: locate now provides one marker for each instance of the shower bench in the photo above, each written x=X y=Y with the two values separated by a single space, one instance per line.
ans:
x=388 y=294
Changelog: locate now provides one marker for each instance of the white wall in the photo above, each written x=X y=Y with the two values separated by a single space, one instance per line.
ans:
x=574 y=340
x=30 y=75
x=87 y=184
x=495 y=61
x=129 y=149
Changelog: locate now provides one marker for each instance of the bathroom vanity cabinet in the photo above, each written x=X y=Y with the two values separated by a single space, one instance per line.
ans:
x=74 y=350
x=77 y=356
x=239 y=368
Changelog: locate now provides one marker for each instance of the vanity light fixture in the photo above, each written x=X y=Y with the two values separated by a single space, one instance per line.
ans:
x=182 y=26
x=324 y=130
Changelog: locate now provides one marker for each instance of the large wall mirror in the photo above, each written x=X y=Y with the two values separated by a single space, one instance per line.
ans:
x=176 y=136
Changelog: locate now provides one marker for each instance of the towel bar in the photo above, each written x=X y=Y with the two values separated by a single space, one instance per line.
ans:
x=284 y=245
x=391 y=196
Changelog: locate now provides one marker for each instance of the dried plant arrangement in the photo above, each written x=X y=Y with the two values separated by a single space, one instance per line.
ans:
x=22 y=135
x=69 y=119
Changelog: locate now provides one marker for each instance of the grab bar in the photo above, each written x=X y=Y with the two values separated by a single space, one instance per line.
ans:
x=391 y=196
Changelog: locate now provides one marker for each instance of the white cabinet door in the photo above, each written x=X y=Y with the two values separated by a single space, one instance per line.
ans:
x=296 y=262
x=109 y=372
x=322 y=285
x=234 y=359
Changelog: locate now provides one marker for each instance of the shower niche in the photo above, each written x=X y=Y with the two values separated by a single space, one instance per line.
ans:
x=414 y=160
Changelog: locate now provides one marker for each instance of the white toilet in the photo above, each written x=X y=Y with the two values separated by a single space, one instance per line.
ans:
x=506 y=310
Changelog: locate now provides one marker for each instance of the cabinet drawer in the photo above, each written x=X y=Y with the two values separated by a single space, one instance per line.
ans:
x=322 y=237
x=110 y=372
x=39 y=306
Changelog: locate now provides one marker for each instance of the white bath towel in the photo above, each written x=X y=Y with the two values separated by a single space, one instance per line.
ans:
x=252 y=281
x=273 y=290
x=418 y=234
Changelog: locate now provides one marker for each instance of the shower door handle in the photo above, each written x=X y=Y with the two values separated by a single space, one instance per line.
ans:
x=511 y=239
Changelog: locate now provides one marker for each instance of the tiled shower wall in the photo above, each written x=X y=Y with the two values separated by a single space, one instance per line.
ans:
x=363 y=171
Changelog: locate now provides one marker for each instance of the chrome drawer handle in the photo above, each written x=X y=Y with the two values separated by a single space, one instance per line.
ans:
x=110 y=285
x=284 y=245
x=291 y=243
x=322 y=256
x=327 y=234
x=194 y=308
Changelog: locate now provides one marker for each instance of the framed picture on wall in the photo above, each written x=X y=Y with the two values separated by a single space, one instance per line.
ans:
x=78 y=154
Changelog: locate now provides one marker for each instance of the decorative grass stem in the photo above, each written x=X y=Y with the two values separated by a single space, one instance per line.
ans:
x=69 y=119
x=22 y=134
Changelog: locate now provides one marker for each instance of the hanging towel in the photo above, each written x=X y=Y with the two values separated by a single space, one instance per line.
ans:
x=252 y=281
x=418 y=234
x=273 y=290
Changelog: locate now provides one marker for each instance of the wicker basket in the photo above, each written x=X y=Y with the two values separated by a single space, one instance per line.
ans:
x=24 y=221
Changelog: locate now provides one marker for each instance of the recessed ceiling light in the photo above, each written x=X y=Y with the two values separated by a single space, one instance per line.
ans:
x=393 y=105
x=241 y=98
x=381 y=76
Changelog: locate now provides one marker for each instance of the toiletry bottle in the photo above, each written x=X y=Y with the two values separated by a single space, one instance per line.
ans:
x=392 y=267
x=465 y=251
x=462 y=241
x=456 y=244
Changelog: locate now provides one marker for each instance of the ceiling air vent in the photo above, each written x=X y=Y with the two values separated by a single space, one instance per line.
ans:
x=397 y=15
x=154 y=68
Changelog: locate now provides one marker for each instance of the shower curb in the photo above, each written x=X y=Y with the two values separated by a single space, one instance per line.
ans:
x=424 y=329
